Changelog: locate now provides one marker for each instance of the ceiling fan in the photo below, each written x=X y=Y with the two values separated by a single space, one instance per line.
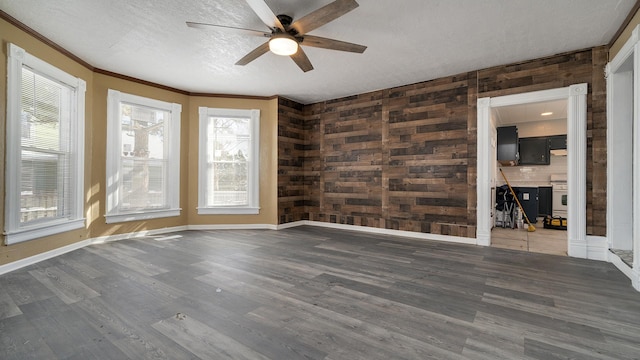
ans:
x=287 y=35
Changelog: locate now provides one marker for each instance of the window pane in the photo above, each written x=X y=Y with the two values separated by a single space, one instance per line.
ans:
x=42 y=104
x=228 y=161
x=45 y=129
x=143 y=184
x=143 y=157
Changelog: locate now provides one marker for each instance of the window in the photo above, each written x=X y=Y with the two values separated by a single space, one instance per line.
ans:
x=143 y=158
x=228 y=169
x=45 y=149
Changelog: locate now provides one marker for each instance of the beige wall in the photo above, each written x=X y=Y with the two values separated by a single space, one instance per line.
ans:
x=626 y=34
x=10 y=34
x=95 y=151
x=96 y=194
x=268 y=161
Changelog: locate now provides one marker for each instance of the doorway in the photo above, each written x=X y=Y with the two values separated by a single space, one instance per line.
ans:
x=622 y=160
x=576 y=97
x=539 y=179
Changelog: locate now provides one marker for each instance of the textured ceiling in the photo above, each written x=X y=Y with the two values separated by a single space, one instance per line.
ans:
x=408 y=40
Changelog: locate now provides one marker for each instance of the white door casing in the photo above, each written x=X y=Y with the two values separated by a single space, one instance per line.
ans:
x=576 y=96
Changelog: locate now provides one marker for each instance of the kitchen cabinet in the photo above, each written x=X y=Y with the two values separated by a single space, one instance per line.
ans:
x=528 y=197
x=534 y=151
x=508 y=145
x=545 y=200
x=558 y=142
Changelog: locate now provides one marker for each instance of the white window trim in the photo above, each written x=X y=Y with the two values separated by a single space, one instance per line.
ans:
x=114 y=146
x=254 y=170
x=17 y=57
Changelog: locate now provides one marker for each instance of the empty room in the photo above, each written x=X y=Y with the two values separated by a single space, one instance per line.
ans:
x=331 y=179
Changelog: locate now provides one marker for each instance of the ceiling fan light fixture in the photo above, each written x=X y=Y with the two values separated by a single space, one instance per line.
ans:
x=283 y=44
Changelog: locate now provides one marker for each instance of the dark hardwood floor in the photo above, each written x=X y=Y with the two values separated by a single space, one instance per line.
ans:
x=314 y=293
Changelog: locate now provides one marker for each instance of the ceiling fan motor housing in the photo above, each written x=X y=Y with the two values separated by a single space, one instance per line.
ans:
x=285 y=20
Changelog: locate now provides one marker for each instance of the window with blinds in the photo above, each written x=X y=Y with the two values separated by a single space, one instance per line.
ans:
x=45 y=149
x=143 y=163
x=228 y=164
x=45 y=176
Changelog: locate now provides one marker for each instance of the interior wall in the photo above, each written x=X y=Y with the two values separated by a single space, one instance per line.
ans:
x=400 y=158
x=268 y=161
x=11 y=34
x=351 y=176
x=405 y=158
x=96 y=192
x=293 y=144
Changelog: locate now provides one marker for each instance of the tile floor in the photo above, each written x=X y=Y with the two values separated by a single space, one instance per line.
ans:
x=545 y=241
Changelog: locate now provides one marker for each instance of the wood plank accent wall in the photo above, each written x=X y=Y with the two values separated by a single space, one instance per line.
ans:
x=405 y=158
x=292 y=148
x=585 y=66
x=350 y=154
x=428 y=157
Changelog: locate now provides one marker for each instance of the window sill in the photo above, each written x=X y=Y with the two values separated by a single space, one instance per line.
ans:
x=42 y=230
x=228 y=210
x=142 y=215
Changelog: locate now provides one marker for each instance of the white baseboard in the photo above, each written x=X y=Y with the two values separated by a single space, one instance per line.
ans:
x=293 y=224
x=483 y=238
x=18 y=264
x=593 y=248
x=233 y=227
x=372 y=230
x=624 y=268
x=118 y=237
x=597 y=248
x=632 y=274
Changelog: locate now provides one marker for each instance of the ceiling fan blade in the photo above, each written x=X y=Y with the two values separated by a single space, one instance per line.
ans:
x=302 y=60
x=323 y=15
x=197 y=25
x=256 y=53
x=332 y=44
x=265 y=14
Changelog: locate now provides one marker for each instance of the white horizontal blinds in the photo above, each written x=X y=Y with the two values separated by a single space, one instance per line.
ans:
x=144 y=157
x=45 y=169
x=228 y=161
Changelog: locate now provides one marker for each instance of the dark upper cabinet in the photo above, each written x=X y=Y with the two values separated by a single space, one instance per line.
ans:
x=558 y=142
x=534 y=151
x=508 y=145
